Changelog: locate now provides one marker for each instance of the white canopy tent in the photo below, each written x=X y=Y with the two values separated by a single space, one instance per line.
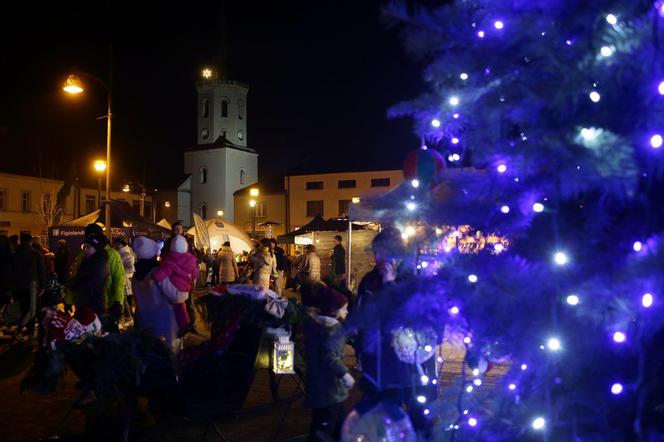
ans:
x=220 y=231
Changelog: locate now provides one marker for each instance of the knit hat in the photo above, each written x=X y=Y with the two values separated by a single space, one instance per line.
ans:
x=96 y=235
x=329 y=301
x=179 y=244
x=95 y=240
x=145 y=248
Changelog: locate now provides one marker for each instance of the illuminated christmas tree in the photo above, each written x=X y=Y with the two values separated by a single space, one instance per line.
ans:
x=550 y=116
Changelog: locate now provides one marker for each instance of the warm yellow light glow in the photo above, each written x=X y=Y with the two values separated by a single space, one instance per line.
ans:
x=126 y=188
x=252 y=203
x=220 y=213
x=73 y=85
x=253 y=191
x=167 y=204
x=207 y=73
x=100 y=165
x=356 y=200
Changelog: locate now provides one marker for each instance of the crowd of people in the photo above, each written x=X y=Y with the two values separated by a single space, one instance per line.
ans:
x=149 y=285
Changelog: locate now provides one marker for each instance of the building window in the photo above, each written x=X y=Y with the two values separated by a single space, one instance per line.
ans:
x=203 y=211
x=148 y=209
x=380 y=182
x=240 y=107
x=261 y=210
x=314 y=208
x=347 y=184
x=224 y=108
x=90 y=204
x=136 y=204
x=204 y=108
x=3 y=199
x=314 y=185
x=203 y=174
x=223 y=133
x=243 y=176
x=25 y=201
x=343 y=208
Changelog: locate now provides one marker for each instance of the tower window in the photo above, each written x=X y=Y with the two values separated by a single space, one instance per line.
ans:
x=243 y=176
x=203 y=210
x=204 y=108
x=224 y=108
x=223 y=133
x=203 y=174
x=240 y=107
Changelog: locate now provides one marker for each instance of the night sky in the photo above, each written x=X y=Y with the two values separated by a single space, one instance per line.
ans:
x=321 y=74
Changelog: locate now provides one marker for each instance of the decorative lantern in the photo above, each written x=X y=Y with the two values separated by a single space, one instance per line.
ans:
x=283 y=356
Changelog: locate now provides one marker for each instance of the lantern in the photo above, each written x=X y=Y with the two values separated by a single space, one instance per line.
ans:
x=283 y=356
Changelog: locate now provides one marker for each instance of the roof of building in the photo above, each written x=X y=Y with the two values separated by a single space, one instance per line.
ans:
x=268 y=186
x=220 y=143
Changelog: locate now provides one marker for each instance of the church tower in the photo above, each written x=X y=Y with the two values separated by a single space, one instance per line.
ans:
x=221 y=162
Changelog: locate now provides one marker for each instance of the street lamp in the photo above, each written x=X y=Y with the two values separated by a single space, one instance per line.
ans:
x=73 y=85
x=253 y=192
x=252 y=204
x=127 y=188
x=220 y=213
x=100 y=168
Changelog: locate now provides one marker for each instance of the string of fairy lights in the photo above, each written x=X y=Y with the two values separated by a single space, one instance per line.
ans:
x=466 y=240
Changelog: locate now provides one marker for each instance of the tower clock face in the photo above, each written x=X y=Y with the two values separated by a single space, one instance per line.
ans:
x=205 y=133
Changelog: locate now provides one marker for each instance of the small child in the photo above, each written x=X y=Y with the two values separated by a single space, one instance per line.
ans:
x=180 y=268
x=327 y=381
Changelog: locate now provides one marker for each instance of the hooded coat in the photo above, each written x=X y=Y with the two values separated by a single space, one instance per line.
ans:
x=325 y=340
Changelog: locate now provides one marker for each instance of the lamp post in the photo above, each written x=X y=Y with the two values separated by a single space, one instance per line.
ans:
x=74 y=85
x=100 y=168
x=253 y=192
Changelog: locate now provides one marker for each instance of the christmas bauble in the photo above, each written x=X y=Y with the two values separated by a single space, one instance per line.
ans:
x=385 y=422
x=423 y=165
x=414 y=346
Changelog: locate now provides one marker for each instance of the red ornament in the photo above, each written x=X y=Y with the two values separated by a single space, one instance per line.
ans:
x=424 y=165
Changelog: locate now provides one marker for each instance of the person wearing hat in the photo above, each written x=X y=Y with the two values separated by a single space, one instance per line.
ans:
x=327 y=380
x=154 y=311
x=89 y=281
x=62 y=262
x=114 y=287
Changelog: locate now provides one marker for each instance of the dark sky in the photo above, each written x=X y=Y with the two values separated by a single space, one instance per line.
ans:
x=321 y=74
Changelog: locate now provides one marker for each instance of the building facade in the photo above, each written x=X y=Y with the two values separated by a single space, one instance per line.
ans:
x=221 y=162
x=28 y=204
x=330 y=194
x=267 y=216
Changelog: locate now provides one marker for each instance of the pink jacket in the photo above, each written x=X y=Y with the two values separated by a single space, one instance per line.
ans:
x=180 y=268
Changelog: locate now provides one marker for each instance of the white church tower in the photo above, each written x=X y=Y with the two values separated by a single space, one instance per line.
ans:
x=221 y=162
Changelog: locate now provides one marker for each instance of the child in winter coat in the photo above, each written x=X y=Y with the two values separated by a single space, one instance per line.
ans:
x=180 y=269
x=327 y=379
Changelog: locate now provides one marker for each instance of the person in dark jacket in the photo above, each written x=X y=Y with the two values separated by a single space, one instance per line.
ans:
x=88 y=284
x=5 y=269
x=338 y=256
x=385 y=376
x=28 y=275
x=62 y=262
x=327 y=380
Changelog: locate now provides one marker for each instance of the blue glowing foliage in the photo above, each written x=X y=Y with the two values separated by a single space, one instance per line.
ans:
x=554 y=110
